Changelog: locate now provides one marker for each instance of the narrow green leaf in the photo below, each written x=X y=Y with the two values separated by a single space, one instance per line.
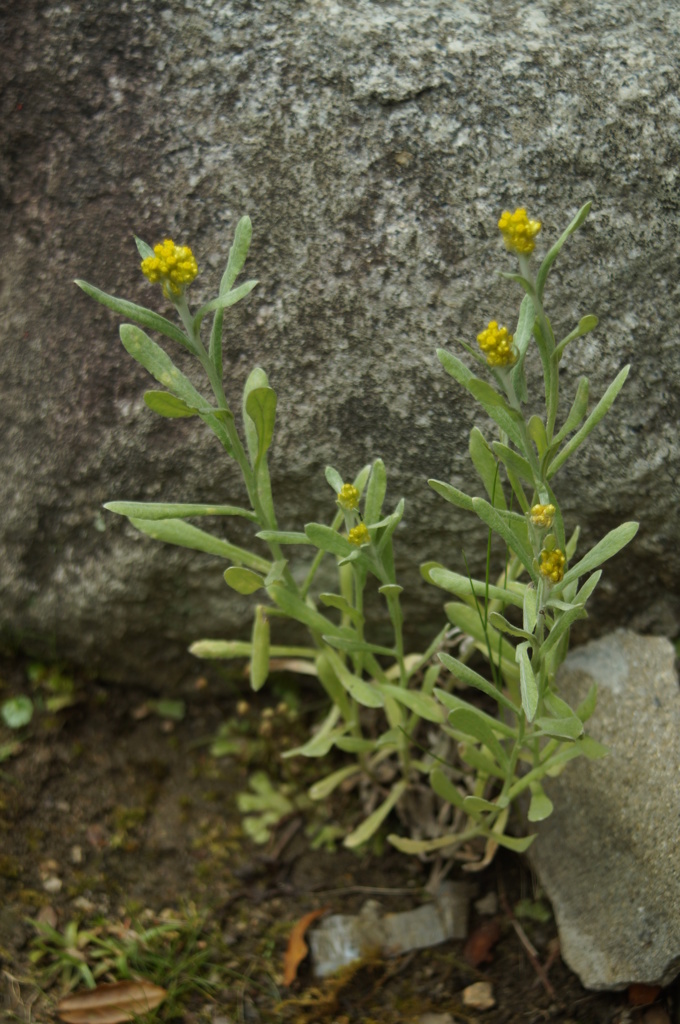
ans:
x=140 y=314
x=144 y=250
x=343 y=605
x=152 y=357
x=553 y=253
x=588 y=587
x=353 y=645
x=167 y=405
x=591 y=748
x=449 y=700
x=228 y=649
x=283 y=537
x=560 y=728
x=257 y=378
x=576 y=413
x=585 y=325
x=518 y=279
x=518 y=844
x=512 y=528
x=277 y=572
x=333 y=687
x=486 y=465
x=521 y=339
x=243 y=581
x=261 y=407
x=498 y=409
x=363 y=693
x=513 y=461
x=487 y=640
x=371 y=825
x=299 y=610
x=171 y=510
x=259 y=664
x=604 y=549
x=325 y=538
x=375 y=492
x=530 y=609
x=593 y=419
x=469 y=677
x=426 y=707
x=237 y=254
x=560 y=627
x=175 y=531
x=451 y=494
x=527 y=681
x=322 y=789
x=536 y=431
x=224 y=301
x=464 y=586
x=442 y=785
x=334 y=479
x=502 y=624
x=474 y=805
x=587 y=706
x=473 y=722
x=455 y=368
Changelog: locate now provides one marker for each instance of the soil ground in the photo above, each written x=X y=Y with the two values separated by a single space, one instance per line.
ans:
x=118 y=818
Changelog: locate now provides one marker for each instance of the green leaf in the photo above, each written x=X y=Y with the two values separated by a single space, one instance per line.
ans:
x=591 y=748
x=371 y=825
x=223 y=301
x=343 y=605
x=521 y=339
x=473 y=722
x=237 y=254
x=455 y=368
x=593 y=419
x=541 y=806
x=498 y=409
x=469 y=677
x=560 y=627
x=513 y=461
x=486 y=465
x=353 y=645
x=426 y=707
x=170 y=510
x=259 y=664
x=140 y=314
x=527 y=681
x=585 y=325
x=512 y=528
x=363 y=693
x=588 y=587
x=333 y=686
x=536 y=431
x=474 y=805
x=604 y=549
x=464 y=587
x=175 y=710
x=243 y=581
x=227 y=649
x=553 y=253
x=517 y=844
x=174 y=531
x=167 y=405
x=144 y=250
x=261 y=407
x=560 y=728
x=17 y=712
x=257 y=378
x=530 y=610
x=153 y=358
x=442 y=785
x=322 y=789
x=576 y=413
x=375 y=493
x=283 y=537
x=299 y=610
x=502 y=624
x=449 y=700
x=277 y=572
x=325 y=538
x=334 y=479
x=451 y=494
x=587 y=706
x=487 y=640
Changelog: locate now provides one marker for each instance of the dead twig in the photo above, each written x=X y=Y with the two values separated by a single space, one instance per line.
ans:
x=531 y=952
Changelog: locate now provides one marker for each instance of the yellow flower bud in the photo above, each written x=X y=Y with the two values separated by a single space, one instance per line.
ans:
x=174 y=266
x=542 y=515
x=518 y=231
x=359 y=535
x=348 y=497
x=496 y=343
x=552 y=565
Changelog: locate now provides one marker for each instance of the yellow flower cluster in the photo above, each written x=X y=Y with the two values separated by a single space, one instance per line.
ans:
x=518 y=231
x=496 y=343
x=542 y=515
x=173 y=265
x=348 y=497
x=359 y=535
x=552 y=565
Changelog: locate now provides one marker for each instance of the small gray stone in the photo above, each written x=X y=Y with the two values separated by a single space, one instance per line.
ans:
x=609 y=856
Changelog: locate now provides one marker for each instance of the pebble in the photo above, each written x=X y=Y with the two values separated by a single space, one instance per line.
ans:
x=479 y=996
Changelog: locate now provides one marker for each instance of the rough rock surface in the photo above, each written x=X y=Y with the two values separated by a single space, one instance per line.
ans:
x=609 y=855
x=374 y=146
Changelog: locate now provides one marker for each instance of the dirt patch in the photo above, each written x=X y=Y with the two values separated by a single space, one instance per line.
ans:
x=119 y=819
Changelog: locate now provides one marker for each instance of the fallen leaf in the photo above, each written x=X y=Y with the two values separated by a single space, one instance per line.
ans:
x=297 y=947
x=111 y=1004
x=643 y=995
x=480 y=943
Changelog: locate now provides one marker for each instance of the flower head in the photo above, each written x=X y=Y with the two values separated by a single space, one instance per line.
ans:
x=173 y=265
x=518 y=231
x=359 y=535
x=496 y=343
x=348 y=497
x=542 y=515
x=552 y=565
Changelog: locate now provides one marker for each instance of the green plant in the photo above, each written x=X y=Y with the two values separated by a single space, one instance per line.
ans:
x=478 y=763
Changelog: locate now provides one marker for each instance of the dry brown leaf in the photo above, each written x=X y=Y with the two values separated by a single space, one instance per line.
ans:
x=643 y=995
x=116 y=1003
x=297 y=947
x=480 y=943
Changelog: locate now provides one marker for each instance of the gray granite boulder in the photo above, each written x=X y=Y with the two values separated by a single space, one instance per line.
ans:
x=374 y=146
x=609 y=855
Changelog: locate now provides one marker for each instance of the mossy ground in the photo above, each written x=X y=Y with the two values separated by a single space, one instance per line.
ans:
x=123 y=821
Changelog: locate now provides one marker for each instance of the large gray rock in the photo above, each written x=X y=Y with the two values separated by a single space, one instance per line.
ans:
x=609 y=855
x=374 y=146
